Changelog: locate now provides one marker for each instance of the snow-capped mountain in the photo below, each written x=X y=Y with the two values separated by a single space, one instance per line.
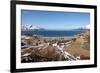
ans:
x=87 y=27
x=30 y=27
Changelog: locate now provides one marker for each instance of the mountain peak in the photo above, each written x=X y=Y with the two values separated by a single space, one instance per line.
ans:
x=30 y=27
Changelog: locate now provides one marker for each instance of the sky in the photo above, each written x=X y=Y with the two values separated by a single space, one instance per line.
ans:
x=55 y=20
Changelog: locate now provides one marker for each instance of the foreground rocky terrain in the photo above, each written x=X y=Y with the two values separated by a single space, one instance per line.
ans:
x=40 y=49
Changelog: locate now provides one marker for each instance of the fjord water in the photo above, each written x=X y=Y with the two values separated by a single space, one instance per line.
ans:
x=52 y=33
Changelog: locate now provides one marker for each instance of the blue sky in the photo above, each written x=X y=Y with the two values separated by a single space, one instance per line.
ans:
x=55 y=20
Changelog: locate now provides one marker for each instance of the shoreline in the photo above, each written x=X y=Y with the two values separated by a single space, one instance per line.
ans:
x=51 y=38
x=64 y=37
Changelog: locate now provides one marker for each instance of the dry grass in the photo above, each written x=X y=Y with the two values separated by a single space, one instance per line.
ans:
x=78 y=47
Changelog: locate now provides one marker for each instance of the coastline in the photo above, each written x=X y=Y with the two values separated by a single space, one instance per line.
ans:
x=64 y=37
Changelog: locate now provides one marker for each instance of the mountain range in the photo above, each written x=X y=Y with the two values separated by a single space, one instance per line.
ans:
x=33 y=27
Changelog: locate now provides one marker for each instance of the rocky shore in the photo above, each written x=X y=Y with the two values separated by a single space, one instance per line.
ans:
x=40 y=49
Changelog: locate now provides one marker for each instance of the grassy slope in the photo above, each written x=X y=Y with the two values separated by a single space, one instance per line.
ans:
x=79 y=46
